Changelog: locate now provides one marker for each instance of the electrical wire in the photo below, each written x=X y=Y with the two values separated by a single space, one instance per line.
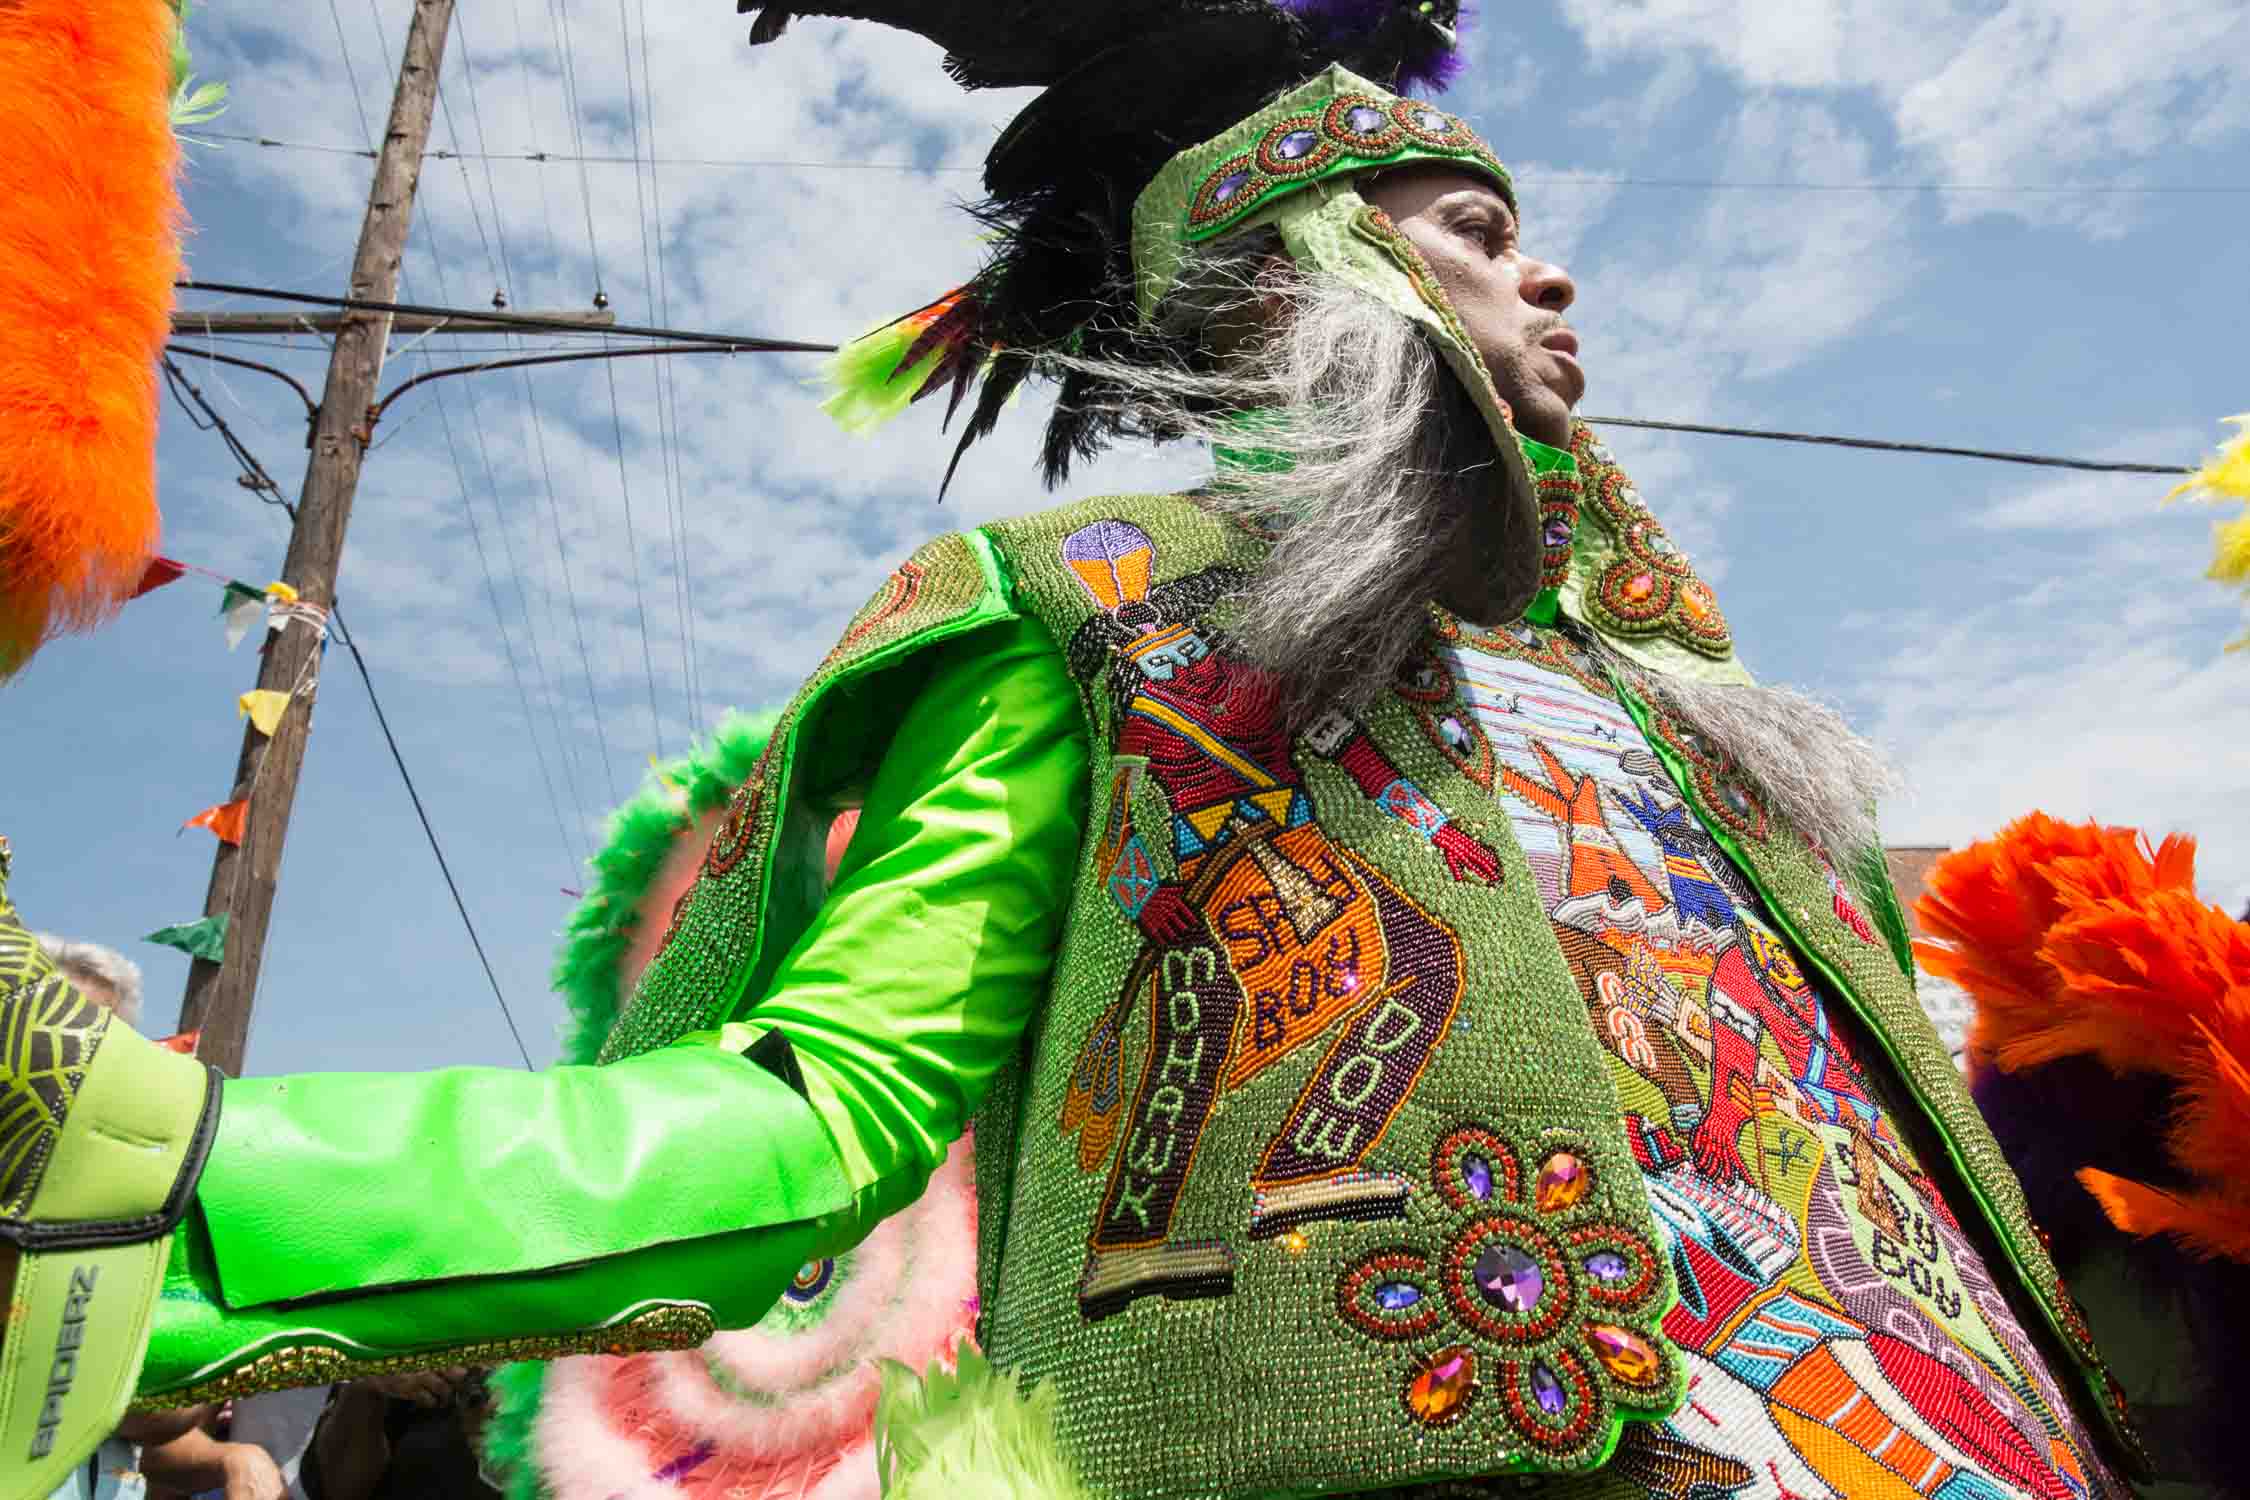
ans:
x=567 y=748
x=752 y=344
x=1885 y=445
x=740 y=344
x=558 y=15
x=583 y=158
x=672 y=514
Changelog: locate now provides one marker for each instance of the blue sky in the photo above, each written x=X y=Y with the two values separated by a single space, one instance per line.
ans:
x=2017 y=638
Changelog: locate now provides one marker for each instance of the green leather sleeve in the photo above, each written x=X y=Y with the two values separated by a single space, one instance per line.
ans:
x=380 y=1218
x=916 y=982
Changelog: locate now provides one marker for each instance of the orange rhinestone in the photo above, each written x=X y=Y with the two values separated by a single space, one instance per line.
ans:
x=1627 y=1355
x=1640 y=586
x=1441 y=1387
x=1563 y=1180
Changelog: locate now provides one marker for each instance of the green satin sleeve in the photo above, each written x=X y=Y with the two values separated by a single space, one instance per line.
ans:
x=914 y=984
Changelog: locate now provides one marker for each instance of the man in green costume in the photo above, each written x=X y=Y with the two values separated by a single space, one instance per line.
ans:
x=1432 y=1024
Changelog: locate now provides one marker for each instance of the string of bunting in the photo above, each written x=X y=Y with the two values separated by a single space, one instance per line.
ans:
x=240 y=606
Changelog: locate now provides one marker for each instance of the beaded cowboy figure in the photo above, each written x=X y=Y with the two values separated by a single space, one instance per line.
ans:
x=1415 y=1039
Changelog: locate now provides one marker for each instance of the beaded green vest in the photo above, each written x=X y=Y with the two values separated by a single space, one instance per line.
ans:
x=1310 y=1175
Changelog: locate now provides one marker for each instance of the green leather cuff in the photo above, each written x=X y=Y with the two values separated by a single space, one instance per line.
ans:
x=334 y=1184
x=101 y=1132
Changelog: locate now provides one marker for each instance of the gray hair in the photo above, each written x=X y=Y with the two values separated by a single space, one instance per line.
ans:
x=1376 y=474
x=1360 y=452
x=105 y=966
x=1811 y=768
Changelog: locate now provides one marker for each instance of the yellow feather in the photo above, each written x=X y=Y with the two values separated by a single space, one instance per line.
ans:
x=2227 y=478
x=2228 y=475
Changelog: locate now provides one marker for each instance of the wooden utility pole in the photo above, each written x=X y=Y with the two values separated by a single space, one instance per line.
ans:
x=243 y=878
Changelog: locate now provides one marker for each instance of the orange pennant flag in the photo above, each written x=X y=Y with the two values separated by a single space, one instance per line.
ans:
x=184 y=1043
x=225 y=820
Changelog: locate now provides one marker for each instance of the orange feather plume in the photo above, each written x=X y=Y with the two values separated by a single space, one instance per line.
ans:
x=89 y=248
x=2078 y=940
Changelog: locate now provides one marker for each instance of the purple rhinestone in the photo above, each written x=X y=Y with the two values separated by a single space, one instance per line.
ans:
x=1509 y=1278
x=1397 y=1296
x=1229 y=185
x=1432 y=121
x=1296 y=145
x=1558 y=532
x=1477 y=1173
x=1363 y=119
x=1455 y=735
x=1608 y=1265
x=1548 y=1390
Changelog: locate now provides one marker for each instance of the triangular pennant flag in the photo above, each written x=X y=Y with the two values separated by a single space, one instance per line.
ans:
x=265 y=706
x=240 y=605
x=183 y=1043
x=161 y=570
x=226 y=820
x=281 y=591
x=206 y=939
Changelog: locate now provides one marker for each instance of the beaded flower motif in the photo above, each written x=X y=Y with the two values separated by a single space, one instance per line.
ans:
x=1535 y=1297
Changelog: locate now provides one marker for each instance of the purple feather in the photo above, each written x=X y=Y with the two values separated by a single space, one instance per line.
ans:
x=1420 y=44
x=2054 y=1119
x=687 y=1463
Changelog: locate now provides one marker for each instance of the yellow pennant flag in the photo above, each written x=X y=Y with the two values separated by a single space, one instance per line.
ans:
x=265 y=708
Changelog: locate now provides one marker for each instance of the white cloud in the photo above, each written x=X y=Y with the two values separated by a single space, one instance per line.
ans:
x=2092 y=501
x=2118 y=706
x=1984 y=92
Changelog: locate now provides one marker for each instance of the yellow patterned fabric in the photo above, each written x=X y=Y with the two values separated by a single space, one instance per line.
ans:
x=48 y=1034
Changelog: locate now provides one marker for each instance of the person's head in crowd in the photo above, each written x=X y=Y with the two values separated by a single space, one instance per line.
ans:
x=102 y=975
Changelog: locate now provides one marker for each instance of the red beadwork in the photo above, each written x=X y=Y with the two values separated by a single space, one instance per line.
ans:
x=734 y=835
x=1386 y=1323
x=1317 y=155
x=1499 y=1159
x=1589 y=1238
x=1580 y=1416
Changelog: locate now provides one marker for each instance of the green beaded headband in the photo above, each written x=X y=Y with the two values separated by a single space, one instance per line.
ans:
x=1335 y=125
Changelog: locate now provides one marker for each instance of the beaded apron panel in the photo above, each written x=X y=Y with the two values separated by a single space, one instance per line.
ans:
x=1319 y=1180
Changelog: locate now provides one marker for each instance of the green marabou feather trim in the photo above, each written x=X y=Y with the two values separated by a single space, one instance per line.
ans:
x=867 y=386
x=974 y=1432
x=516 y=1396
x=641 y=835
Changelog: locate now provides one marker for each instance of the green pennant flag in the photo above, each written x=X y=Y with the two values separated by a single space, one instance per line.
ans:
x=240 y=605
x=206 y=939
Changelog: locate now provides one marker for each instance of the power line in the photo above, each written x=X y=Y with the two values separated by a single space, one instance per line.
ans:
x=673 y=515
x=566 y=748
x=257 y=479
x=738 y=343
x=764 y=345
x=584 y=158
x=426 y=221
x=1885 y=445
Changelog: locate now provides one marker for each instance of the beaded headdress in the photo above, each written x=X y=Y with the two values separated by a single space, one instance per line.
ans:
x=1138 y=95
x=1167 y=125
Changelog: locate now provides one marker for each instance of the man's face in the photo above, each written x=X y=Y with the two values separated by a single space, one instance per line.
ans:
x=1511 y=303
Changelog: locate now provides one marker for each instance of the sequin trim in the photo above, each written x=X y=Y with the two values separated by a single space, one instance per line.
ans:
x=673 y=1326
